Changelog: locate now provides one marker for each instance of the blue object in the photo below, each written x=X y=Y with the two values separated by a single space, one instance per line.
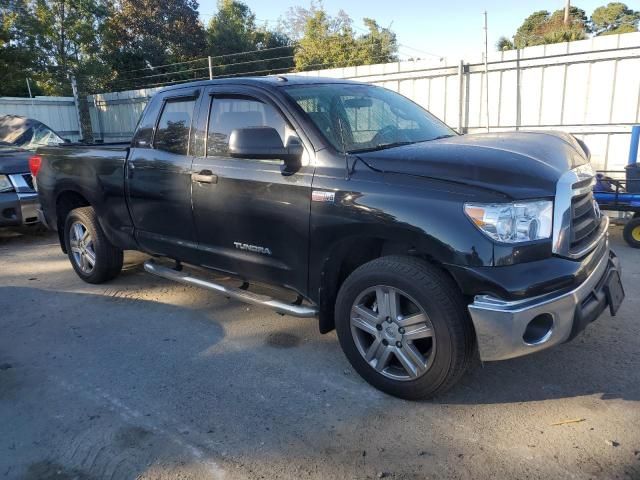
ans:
x=605 y=199
x=633 y=148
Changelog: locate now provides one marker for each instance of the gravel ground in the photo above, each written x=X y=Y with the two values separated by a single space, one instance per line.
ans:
x=142 y=378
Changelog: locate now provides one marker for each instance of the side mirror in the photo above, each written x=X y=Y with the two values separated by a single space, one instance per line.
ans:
x=264 y=143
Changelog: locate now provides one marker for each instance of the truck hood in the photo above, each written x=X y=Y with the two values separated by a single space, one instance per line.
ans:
x=519 y=165
x=14 y=160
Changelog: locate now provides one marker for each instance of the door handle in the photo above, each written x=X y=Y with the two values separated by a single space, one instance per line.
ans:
x=205 y=176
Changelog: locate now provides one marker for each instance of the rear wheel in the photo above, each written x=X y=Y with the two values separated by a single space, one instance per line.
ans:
x=631 y=232
x=403 y=325
x=92 y=256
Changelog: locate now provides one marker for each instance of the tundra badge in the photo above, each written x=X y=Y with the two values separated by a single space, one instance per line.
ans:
x=252 y=248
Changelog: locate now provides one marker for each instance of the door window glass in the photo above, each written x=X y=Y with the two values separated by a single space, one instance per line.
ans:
x=230 y=113
x=172 y=134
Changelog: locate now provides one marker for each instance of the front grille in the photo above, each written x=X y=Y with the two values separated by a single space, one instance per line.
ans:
x=585 y=220
x=29 y=180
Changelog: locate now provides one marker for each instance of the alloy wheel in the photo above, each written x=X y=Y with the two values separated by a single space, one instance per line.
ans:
x=393 y=333
x=81 y=244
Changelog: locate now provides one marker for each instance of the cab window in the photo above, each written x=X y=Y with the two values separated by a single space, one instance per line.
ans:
x=228 y=113
x=172 y=134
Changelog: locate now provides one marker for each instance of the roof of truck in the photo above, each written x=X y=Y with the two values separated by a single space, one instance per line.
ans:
x=271 y=80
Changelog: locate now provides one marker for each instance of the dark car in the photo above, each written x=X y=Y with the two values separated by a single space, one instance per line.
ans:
x=419 y=245
x=19 y=138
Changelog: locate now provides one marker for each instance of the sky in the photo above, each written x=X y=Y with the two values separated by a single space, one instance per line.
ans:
x=451 y=28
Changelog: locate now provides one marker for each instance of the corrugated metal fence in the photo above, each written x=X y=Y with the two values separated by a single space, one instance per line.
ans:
x=114 y=116
x=58 y=113
x=590 y=88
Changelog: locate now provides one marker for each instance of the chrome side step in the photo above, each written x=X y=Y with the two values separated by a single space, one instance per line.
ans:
x=303 y=311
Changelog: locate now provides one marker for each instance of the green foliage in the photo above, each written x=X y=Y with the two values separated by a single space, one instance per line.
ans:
x=614 y=18
x=111 y=45
x=16 y=60
x=328 y=42
x=503 y=44
x=233 y=29
x=542 y=28
x=144 y=34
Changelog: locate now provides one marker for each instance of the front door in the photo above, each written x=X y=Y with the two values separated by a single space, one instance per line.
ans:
x=252 y=219
x=159 y=183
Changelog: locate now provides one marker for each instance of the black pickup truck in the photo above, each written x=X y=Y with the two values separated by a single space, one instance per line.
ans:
x=421 y=247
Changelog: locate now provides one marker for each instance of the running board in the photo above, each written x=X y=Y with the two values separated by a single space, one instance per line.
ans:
x=294 y=310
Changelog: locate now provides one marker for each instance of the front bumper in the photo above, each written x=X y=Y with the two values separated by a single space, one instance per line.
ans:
x=501 y=326
x=17 y=209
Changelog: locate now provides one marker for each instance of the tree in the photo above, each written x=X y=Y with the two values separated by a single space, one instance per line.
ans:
x=503 y=44
x=50 y=39
x=328 y=42
x=528 y=33
x=378 y=44
x=142 y=35
x=614 y=18
x=542 y=27
x=233 y=30
x=16 y=61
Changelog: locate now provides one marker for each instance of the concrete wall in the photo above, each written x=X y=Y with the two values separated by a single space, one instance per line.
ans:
x=59 y=113
x=590 y=88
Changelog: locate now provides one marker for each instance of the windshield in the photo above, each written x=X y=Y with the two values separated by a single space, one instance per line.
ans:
x=28 y=134
x=38 y=136
x=359 y=118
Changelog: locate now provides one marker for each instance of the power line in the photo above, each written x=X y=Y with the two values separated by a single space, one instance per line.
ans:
x=255 y=73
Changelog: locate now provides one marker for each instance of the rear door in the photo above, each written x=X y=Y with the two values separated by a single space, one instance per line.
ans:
x=251 y=219
x=159 y=180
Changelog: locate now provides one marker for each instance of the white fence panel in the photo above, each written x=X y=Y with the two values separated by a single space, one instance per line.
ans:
x=590 y=88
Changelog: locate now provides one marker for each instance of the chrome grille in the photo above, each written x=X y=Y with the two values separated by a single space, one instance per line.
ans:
x=585 y=220
x=28 y=180
x=578 y=226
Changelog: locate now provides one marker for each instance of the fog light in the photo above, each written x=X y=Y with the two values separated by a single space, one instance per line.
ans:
x=538 y=330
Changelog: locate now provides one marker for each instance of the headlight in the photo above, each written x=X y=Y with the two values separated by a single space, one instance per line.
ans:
x=5 y=184
x=513 y=222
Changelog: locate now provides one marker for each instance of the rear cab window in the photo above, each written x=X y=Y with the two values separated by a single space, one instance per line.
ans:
x=174 y=126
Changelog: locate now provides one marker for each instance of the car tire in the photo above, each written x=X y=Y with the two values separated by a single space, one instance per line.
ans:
x=91 y=254
x=425 y=292
x=631 y=232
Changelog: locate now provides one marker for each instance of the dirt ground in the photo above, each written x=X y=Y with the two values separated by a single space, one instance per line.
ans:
x=142 y=378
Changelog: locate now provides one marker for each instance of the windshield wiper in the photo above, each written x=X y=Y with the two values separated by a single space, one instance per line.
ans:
x=382 y=146
x=440 y=137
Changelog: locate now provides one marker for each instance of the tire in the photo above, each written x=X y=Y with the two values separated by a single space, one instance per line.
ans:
x=107 y=259
x=631 y=232
x=425 y=293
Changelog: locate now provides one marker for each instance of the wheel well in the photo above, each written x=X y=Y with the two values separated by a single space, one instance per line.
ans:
x=350 y=255
x=66 y=202
x=342 y=261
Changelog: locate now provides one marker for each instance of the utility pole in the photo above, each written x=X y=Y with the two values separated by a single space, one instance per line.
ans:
x=29 y=87
x=567 y=7
x=486 y=69
x=210 y=68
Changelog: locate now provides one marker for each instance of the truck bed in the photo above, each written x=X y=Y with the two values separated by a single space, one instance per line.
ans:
x=93 y=173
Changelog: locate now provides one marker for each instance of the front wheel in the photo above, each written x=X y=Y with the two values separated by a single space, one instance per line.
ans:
x=92 y=256
x=403 y=325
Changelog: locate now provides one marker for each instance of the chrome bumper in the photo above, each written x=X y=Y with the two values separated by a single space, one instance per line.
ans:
x=29 y=205
x=500 y=325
